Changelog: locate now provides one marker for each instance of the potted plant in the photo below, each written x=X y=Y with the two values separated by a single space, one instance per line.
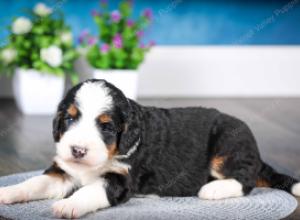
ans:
x=118 y=51
x=39 y=54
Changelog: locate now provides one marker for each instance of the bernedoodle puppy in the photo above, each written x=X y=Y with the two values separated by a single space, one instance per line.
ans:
x=109 y=149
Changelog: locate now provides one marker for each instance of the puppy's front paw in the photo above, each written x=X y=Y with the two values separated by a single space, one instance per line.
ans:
x=11 y=194
x=68 y=208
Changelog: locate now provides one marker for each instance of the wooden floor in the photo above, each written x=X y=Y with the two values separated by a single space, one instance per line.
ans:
x=26 y=142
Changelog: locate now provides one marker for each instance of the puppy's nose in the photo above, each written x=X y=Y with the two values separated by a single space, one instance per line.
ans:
x=78 y=152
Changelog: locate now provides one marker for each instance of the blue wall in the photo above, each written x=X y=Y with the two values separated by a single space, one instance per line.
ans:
x=186 y=22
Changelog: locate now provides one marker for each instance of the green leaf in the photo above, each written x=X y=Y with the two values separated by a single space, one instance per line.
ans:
x=74 y=78
x=125 y=9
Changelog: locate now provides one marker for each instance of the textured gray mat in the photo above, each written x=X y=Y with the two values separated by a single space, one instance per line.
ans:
x=264 y=204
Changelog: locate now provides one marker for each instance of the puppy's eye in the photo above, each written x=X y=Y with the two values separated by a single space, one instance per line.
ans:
x=107 y=127
x=69 y=120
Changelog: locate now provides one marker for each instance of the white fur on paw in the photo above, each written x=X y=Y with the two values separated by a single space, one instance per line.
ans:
x=296 y=189
x=11 y=194
x=221 y=189
x=67 y=208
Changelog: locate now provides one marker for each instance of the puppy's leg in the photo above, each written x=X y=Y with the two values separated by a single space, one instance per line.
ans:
x=54 y=183
x=234 y=160
x=87 y=199
x=109 y=190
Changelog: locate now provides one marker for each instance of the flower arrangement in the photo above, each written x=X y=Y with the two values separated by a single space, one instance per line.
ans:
x=119 y=44
x=42 y=42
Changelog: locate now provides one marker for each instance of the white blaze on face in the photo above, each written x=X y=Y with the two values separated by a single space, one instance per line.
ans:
x=92 y=99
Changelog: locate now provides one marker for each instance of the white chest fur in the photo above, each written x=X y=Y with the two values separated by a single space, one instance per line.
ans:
x=84 y=174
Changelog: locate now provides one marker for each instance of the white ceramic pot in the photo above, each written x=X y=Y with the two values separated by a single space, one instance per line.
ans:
x=125 y=80
x=37 y=93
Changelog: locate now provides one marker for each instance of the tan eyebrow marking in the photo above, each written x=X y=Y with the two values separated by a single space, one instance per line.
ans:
x=104 y=118
x=72 y=110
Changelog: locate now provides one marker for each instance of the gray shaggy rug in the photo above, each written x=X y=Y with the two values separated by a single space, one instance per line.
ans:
x=262 y=203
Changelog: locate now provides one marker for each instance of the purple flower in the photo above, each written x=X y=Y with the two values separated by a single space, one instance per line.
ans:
x=95 y=13
x=104 y=48
x=83 y=35
x=148 y=13
x=130 y=23
x=142 y=45
x=117 y=41
x=115 y=16
x=139 y=34
x=92 y=41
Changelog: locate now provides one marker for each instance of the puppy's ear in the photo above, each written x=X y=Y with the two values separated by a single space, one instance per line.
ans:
x=130 y=133
x=57 y=126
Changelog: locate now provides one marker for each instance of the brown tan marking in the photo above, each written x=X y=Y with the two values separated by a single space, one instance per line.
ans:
x=72 y=110
x=262 y=183
x=115 y=166
x=56 y=171
x=216 y=166
x=112 y=150
x=120 y=170
x=104 y=118
x=217 y=163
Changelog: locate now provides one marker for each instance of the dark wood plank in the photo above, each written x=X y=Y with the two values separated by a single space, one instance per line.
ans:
x=25 y=142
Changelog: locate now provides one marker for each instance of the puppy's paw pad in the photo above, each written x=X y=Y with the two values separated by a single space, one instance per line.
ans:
x=67 y=208
x=221 y=189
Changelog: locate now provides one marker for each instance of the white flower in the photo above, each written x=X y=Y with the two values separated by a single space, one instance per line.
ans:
x=42 y=10
x=8 y=55
x=21 y=25
x=52 y=55
x=66 y=37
